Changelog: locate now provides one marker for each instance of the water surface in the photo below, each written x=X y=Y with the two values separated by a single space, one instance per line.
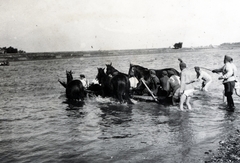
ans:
x=37 y=126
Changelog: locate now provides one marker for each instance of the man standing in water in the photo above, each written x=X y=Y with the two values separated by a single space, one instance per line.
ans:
x=174 y=82
x=165 y=86
x=229 y=72
x=186 y=88
x=207 y=79
x=84 y=81
x=155 y=81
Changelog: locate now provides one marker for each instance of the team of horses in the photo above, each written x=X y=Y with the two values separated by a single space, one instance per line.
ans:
x=113 y=83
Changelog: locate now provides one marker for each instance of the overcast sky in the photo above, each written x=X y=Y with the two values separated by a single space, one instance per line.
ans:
x=79 y=25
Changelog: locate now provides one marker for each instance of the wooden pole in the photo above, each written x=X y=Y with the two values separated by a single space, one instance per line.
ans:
x=206 y=68
x=154 y=97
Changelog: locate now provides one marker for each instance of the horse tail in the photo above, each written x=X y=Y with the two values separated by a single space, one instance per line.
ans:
x=127 y=92
x=123 y=91
x=120 y=90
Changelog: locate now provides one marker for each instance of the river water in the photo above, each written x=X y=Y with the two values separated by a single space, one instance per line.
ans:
x=37 y=126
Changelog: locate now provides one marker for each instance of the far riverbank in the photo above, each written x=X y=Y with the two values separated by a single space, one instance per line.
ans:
x=78 y=54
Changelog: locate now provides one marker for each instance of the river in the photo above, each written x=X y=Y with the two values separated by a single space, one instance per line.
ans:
x=37 y=126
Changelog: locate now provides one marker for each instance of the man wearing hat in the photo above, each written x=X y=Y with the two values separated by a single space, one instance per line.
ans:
x=186 y=88
x=84 y=81
x=155 y=82
x=164 y=83
x=229 y=77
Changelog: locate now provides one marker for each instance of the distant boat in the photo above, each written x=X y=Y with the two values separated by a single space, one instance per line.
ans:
x=178 y=45
x=4 y=63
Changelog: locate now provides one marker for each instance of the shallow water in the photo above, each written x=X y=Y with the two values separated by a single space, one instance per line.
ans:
x=37 y=126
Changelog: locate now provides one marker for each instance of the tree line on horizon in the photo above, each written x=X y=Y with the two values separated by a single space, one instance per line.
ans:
x=10 y=49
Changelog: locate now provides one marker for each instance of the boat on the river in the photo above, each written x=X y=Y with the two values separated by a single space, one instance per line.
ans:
x=4 y=63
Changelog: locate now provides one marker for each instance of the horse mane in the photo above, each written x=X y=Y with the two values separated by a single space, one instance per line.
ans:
x=138 y=66
x=101 y=75
x=69 y=76
x=111 y=70
x=141 y=71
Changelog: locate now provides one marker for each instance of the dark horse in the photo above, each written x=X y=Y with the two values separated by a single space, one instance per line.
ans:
x=142 y=72
x=74 y=88
x=120 y=84
x=112 y=71
x=69 y=78
x=105 y=82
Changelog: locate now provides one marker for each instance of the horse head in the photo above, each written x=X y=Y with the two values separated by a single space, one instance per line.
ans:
x=138 y=71
x=111 y=70
x=69 y=76
x=100 y=74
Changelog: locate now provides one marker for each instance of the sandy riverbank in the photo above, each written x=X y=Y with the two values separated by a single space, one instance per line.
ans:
x=228 y=150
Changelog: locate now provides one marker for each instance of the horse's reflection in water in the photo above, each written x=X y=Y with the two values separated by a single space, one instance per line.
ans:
x=116 y=114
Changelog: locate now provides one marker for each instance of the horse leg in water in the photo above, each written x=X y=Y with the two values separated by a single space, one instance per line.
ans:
x=123 y=92
x=127 y=93
x=120 y=91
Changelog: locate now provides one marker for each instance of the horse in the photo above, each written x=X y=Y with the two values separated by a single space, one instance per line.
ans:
x=141 y=72
x=113 y=71
x=69 y=78
x=94 y=89
x=105 y=82
x=74 y=88
x=120 y=83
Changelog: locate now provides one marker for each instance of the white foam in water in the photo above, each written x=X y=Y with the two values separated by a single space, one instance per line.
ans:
x=102 y=100
x=134 y=101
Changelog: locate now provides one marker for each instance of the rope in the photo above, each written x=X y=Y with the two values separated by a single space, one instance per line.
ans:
x=206 y=68
x=236 y=92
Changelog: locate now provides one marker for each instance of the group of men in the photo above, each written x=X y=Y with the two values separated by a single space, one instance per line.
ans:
x=229 y=72
x=181 y=88
x=172 y=85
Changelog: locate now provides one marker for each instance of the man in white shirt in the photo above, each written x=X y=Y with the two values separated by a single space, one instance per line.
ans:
x=202 y=75
x=84 y=81
x=186 y=88
x=229 y=72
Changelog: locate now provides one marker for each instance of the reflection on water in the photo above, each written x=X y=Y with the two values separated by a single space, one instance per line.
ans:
x=37 y=124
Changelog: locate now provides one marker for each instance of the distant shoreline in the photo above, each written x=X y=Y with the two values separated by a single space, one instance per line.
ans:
x=103 y=53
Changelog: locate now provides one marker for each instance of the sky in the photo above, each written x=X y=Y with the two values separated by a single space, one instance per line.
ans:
x=82 y=25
